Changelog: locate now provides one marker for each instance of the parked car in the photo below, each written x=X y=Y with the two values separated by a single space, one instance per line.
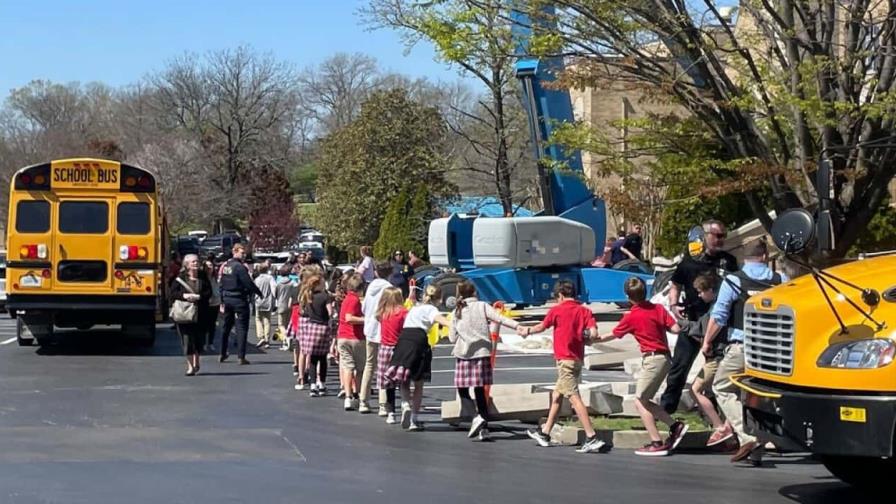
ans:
x=184 y=245
x=220 y=245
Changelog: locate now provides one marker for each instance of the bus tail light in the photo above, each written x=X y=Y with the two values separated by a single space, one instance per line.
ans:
x=132 y=252
x=119 y=274
x=33 y=251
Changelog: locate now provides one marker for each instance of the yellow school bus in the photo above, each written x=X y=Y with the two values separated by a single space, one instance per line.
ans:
x=85 y=241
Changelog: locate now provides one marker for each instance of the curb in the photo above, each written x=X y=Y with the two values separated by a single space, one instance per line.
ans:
x=624 y=439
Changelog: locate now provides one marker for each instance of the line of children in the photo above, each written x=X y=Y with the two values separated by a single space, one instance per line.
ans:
x=391 y=314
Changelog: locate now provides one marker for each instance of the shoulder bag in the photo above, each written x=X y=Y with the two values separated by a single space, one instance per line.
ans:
x=184 y=312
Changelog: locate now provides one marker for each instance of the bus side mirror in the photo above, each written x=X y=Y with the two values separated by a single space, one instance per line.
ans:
x=793 y=231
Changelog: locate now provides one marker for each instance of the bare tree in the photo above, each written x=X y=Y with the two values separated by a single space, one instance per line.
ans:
x=335 y=89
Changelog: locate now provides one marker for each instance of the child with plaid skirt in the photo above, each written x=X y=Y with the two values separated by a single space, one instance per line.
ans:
x=391 y=314
x=471 y=334
x=314 y=334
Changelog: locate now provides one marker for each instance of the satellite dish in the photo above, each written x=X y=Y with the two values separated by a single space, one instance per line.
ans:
x=696 y=241
x=793 y=230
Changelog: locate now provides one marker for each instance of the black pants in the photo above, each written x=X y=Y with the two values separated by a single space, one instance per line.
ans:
x=686 y=350
x=481 y=402
x=319 y=362
x=241 y=313
x=210 y=325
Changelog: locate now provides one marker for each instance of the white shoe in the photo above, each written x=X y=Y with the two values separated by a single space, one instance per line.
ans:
x=341 y=394
x=313 y=392
x=483 y=434
x=390 y=419
x=383 y=411
x=299 y=386
x=415 y=426
x=321 y=390
x=478 y=423
x=348 y=405
x=592 y=445
x=405 y=415
x=364 y=408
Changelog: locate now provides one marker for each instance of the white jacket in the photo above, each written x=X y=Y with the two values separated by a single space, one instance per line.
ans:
x=371 y=302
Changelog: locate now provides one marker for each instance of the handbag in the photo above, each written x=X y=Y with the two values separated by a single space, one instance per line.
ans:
x=184 y=312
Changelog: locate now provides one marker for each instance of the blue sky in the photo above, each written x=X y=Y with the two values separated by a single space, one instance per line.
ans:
x=118 y=42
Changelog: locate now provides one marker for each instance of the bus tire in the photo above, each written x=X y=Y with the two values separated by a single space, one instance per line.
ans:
x=447 y=283
x=860 y=472
x=29 y=329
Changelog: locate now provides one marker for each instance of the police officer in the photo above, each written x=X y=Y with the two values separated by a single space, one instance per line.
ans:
x=237 y=290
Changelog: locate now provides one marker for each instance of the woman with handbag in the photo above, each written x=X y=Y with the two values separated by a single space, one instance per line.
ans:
x=190 y=293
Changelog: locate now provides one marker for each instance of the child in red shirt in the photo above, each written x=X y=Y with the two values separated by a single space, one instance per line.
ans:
x=391 y=314
x=350 y=341
x=649 y=323
x=570 y=320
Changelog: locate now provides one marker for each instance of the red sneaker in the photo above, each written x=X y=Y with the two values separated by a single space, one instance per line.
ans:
x=654 y=449
x=720 y=435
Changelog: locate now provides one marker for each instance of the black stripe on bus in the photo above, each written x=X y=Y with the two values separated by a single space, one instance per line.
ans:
x=136 y=266
x=29 y=264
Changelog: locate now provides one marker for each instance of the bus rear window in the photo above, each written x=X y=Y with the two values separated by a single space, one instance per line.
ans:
x=83 y=217
x=33 y=216
x=133 y=218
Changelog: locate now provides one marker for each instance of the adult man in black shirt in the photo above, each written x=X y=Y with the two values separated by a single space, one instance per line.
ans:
x=633 y=243
x=692 y=308
x=237 y=291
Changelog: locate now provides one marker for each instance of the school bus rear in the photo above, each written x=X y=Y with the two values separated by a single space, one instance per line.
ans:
x=85 y=246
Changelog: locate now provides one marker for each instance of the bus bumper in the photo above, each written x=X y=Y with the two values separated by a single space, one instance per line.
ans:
x=82 y=310
x=821 y=422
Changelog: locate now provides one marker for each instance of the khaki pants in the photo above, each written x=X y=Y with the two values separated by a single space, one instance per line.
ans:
x=569 y=374
x=282 y=324
x=263 y=325
x=727 y=393
x=654 y=370
x=373 y=350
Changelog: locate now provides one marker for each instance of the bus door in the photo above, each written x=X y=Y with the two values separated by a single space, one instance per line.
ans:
x=83 y=245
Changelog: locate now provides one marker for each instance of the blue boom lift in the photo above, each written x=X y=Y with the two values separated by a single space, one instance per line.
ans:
x=519 y=259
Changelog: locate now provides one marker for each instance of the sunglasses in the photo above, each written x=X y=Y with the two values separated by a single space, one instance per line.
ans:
x=720 y=235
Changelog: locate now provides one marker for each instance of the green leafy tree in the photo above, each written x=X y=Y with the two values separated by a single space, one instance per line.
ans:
x=476 y=38
x=778 y=88
x=302 y=181
x=394 y=229
x=395 y=144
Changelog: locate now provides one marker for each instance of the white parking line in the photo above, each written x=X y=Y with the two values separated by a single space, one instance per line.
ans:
x=514 y=355
x=6 y=342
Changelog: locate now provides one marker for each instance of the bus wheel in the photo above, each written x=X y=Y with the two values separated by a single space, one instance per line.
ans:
x=29 y=329
x=860 y=472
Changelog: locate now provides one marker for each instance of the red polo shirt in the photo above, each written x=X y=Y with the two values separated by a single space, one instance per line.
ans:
x=350 y=305
x=391 y=325
x=570 y=320
x=649 y=323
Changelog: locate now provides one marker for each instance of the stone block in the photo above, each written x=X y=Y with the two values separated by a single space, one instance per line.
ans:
x=605 y=360
x=509 y=402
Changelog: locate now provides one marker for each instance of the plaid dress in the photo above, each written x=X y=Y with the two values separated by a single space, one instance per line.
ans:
x=383 y=360
x=473 y=372
x=314 y=338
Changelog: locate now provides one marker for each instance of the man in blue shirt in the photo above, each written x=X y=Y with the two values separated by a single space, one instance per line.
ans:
x=728 y=310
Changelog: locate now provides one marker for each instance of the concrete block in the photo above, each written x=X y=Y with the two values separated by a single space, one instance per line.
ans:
x=623 y=440
x=628 y=406
x=603 y=403
x=610 y=359
x=509 y=402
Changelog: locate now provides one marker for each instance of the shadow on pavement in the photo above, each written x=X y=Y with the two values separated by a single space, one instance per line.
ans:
x=822 y=492
x=111 y=342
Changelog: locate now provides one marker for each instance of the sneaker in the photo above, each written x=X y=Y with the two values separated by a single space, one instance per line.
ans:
x=341 y=394
x=406 y=416
x=295 y=370
x=390 y=419
x=244 y=362
x=478 y=424
x=321 y=390
x=364 y=408
x=415 y=426
x=261 y=344
x=676 y=434
x=313 y=392
x=483 y=435
x=383 y=411
x=348 y=405
x=654 y=449
x=285 y=346
x=591 y=445
x=540 y=437
x=720 y=435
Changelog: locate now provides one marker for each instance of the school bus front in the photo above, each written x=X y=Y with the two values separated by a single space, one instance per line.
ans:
x=84 y=241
